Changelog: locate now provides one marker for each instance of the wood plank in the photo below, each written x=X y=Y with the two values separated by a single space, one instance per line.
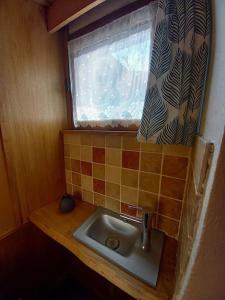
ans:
x=32 y=104
x=60 y=13
x=60 y=227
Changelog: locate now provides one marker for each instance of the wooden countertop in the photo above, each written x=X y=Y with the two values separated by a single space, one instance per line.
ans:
x=60 y=227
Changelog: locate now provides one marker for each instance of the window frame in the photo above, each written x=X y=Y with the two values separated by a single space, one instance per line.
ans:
x=91 y=27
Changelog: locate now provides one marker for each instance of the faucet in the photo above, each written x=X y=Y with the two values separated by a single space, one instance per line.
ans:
x=146 y=222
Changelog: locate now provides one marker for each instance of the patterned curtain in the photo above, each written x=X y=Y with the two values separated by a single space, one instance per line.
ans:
x=178 y=69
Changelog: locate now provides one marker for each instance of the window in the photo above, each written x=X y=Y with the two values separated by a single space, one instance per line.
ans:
x=109 y=71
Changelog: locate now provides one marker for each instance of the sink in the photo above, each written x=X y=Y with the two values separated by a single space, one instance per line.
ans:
x=118 y=239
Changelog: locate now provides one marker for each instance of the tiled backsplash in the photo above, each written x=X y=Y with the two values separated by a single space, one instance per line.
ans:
x=115 y=171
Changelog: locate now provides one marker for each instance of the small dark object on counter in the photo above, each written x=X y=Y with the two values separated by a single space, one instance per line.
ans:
x=67 y=203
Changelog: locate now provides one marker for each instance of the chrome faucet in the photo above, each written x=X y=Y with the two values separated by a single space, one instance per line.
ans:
x=146 y=222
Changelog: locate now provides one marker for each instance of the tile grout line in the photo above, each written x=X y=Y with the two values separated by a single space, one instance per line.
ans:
x=160 y=181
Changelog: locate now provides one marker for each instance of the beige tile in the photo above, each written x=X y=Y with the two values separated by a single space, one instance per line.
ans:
x=86 y=139
x=72 y=138
x=113 y=190
x=151 y=147
x=130 y=143
x=129 y=195
x=75 y=151
x=77 y=192
x=113 y=157
x=151 y=162
x=98 y=171
x=68 y=175
x=149 y=182
x=99 y=200
x=86 y=153
x=129 y=178
x=87 y=196
x=76 y=179
x=69 y=188
x=113 y=204
x=67 y=162
x=148 y=200
x=98 y=140
x=176 y=150
x=86 y=183
x=112 y=174
x=113 y=141
x=67 y=150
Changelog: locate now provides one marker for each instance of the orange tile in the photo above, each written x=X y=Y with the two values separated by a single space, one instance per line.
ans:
x=170 y=208
x=149 y=182
x=76 y=179
x=67 y=163
x=130 y=160
x=113 y=140
x=176 y=150
x=175 y=166
x=113 y=190
x=130 y=143
x=129 y=178
x=99 y=200
x=147 y=200
x=99 y=186
x=172 y=187
x=99 y=171
x=75 y=165
x=127 y=210
x=99 y=155
x=86 y=168
x=151 y=162
x=170 y=227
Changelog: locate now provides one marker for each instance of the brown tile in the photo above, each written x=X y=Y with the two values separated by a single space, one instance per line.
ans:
x=75 y=165
x=175 y=166
x=67 y=163
x=113 y=190
x=113 y=157
x=149 y=182
x=99 y=171
x=98 y=140
x=169 y=208
x=75 y=151
x=99 y=200
x=86 y=183
x=99 y=186
x=168 y=226
x=77 y=192
x=146 y=147
x=172 y=187
x=69 y=188
x=72 y=138
x=151 y=162
x=86 y=168
x=127 y=210
x=113 y=141
x=129 y=195
x=112 y=174
x=76 y=179
x=130 y=160
x=66 y=150
x=176 y=150
x=99 y=155
x=86 y=153
x=87 y=196
x=85 y=139
x=147 y=200
x=68 y=175
x=129 y=178
x=130 y=143
x=113 y=204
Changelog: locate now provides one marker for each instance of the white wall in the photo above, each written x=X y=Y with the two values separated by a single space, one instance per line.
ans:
x=205 y=275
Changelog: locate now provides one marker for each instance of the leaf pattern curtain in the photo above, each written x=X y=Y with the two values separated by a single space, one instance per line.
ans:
x=177 y=76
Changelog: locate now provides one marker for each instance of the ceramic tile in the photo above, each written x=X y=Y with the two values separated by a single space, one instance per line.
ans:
x=99 y=200
x=86 y=183
x=99 y=171
x=77 y=192
x=113 y=157
x=129 y=195
x=176 y=150
x=66 y=150
x=113 y=190
x=127 y=210
x=99 y=186
x=113 y=140
x=149 y=182
x=67 y=163
x=170 y=208
x=68 y=174
x=175 y=166
x=87 y=196
x=75 y=165
x=130 y=143
x=151 y=162
x=113 y=204
x=112 y=174
x=147 y=200
x=72 y=138
x=86 y=139
x=99 y=155
x=76 y=179
x=86 y=153
x=98 y=140
x=86 y=168
x=169 y=226
x=130 y=160
x=69 y=188
x=172 y=187
x=151 y=147
x=129 y=178
x=75 y=151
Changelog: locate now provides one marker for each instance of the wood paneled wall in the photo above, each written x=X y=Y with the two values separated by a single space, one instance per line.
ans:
x=32 y=105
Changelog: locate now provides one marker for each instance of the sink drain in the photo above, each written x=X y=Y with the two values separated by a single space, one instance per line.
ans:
x=112 y=243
